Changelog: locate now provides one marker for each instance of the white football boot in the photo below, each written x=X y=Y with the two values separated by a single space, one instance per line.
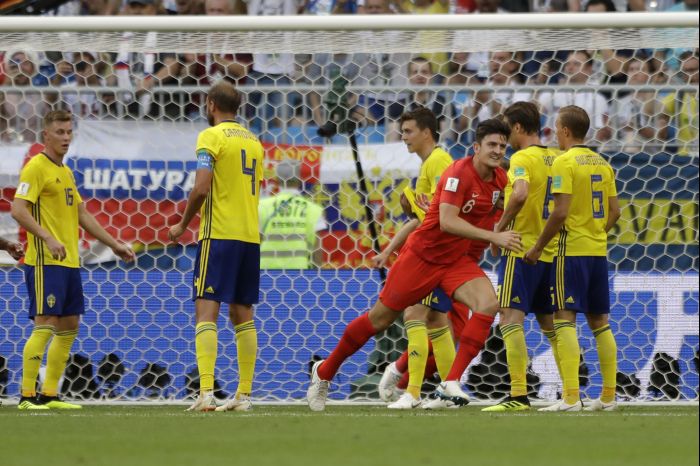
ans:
x=241 y=403
x=204 y=402
x=317 y=393
x=406 y=401
x=448 y=395
x=597 y=405
x=561 y=406
x=388 y=391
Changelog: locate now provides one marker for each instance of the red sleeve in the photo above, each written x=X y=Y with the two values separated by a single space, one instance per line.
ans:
x=454 y=187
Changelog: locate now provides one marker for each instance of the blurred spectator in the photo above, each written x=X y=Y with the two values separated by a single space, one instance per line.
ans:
x=578 y=71
x=420 y=73
x=632 y=116
x=505 y=78
x=90 y=71
x=190 y=7
x=327 y=7
x=270 y=69
x=611 y=61
x=290 y=223
x=680 y=109
x=225 y=7
x=685 y=5
x=22 y=110
x=439 y=60
x=88 y=7
x=489 y=6
x=381 y=69
x=671 y=57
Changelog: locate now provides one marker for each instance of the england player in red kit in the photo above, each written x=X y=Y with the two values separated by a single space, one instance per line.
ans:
x=440 y=253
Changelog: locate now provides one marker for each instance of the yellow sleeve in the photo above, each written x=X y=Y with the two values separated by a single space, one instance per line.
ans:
x=562 y=176
x=669 y=104
x=519 y=168
x=31 y=183
x=435 y=171
x=612 y=188
x=209 y=141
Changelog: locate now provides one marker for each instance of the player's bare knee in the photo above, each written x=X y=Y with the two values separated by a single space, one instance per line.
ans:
x=240 y=313
x=416 y=312
x=512 y=316
x=545 y=321
x=597 y=320
x=437 y=320
x=67 y=323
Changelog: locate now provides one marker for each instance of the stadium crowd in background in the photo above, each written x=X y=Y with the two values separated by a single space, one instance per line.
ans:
x=156 y=80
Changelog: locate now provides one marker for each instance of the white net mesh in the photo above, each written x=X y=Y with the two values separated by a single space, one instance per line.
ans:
x=138 y=109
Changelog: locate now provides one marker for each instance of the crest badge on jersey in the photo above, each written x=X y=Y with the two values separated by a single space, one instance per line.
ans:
x=452 y=184
x=494 y=198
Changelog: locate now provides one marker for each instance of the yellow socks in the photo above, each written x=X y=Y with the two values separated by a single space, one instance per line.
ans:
x=247 y=347
x=443 y=349
x=56 y=360
x=32 y=355
x=516 y=354
x=607 y=355
x=417 y=355
x=205 y=345
x=569 y=354
x=552 y=337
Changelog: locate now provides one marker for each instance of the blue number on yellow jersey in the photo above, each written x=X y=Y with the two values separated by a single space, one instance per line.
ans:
x=534 y=166
x=590 y=181
x=231 y=209
x=54 y=197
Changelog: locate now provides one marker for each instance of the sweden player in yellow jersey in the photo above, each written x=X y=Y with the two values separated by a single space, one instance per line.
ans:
x=227 y=269
x=47 y=204
x=585 y=209
x=524 y=288
x=419 y=131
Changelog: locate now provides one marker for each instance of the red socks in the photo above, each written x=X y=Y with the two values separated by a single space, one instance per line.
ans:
x=470 y=343
x=356 y=334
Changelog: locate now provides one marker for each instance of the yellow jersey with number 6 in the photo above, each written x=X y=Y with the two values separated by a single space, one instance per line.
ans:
x=590 y=181
x=54 y=197
x=231 y=209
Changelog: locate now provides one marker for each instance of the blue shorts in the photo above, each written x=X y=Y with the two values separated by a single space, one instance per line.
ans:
x=524 y=287
x=437 y=300
x=227 y=271
x=581 y=284
x=54 y=290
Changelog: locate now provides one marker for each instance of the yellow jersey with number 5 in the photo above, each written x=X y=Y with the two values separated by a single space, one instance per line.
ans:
x=231 y=209
x=51 y=190
x=590 y=181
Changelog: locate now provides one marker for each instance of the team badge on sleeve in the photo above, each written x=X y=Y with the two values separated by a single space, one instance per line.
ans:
x=519 y=171
x=556 y=182
x=23 y=189
x=494 y=198
x=452 y=184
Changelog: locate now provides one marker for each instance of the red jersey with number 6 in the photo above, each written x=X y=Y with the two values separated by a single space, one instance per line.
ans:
x=461 y=186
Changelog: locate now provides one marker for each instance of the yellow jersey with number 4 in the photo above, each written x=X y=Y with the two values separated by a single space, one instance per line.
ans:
x=534 y=166
x=51 y=190
x=590 y=181
x=231 y=209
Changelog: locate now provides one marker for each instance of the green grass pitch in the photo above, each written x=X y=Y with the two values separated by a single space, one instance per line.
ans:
x=346 y=435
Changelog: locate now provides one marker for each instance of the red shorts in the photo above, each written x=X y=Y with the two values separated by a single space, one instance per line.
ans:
x=459 y=273
x=412 y=279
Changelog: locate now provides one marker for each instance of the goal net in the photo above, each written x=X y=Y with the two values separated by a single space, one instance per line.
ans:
x=136 y=87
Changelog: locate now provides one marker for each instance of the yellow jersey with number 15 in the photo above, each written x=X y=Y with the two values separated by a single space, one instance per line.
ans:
x=590 y=181
x=54 y=197
x=231 y=209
